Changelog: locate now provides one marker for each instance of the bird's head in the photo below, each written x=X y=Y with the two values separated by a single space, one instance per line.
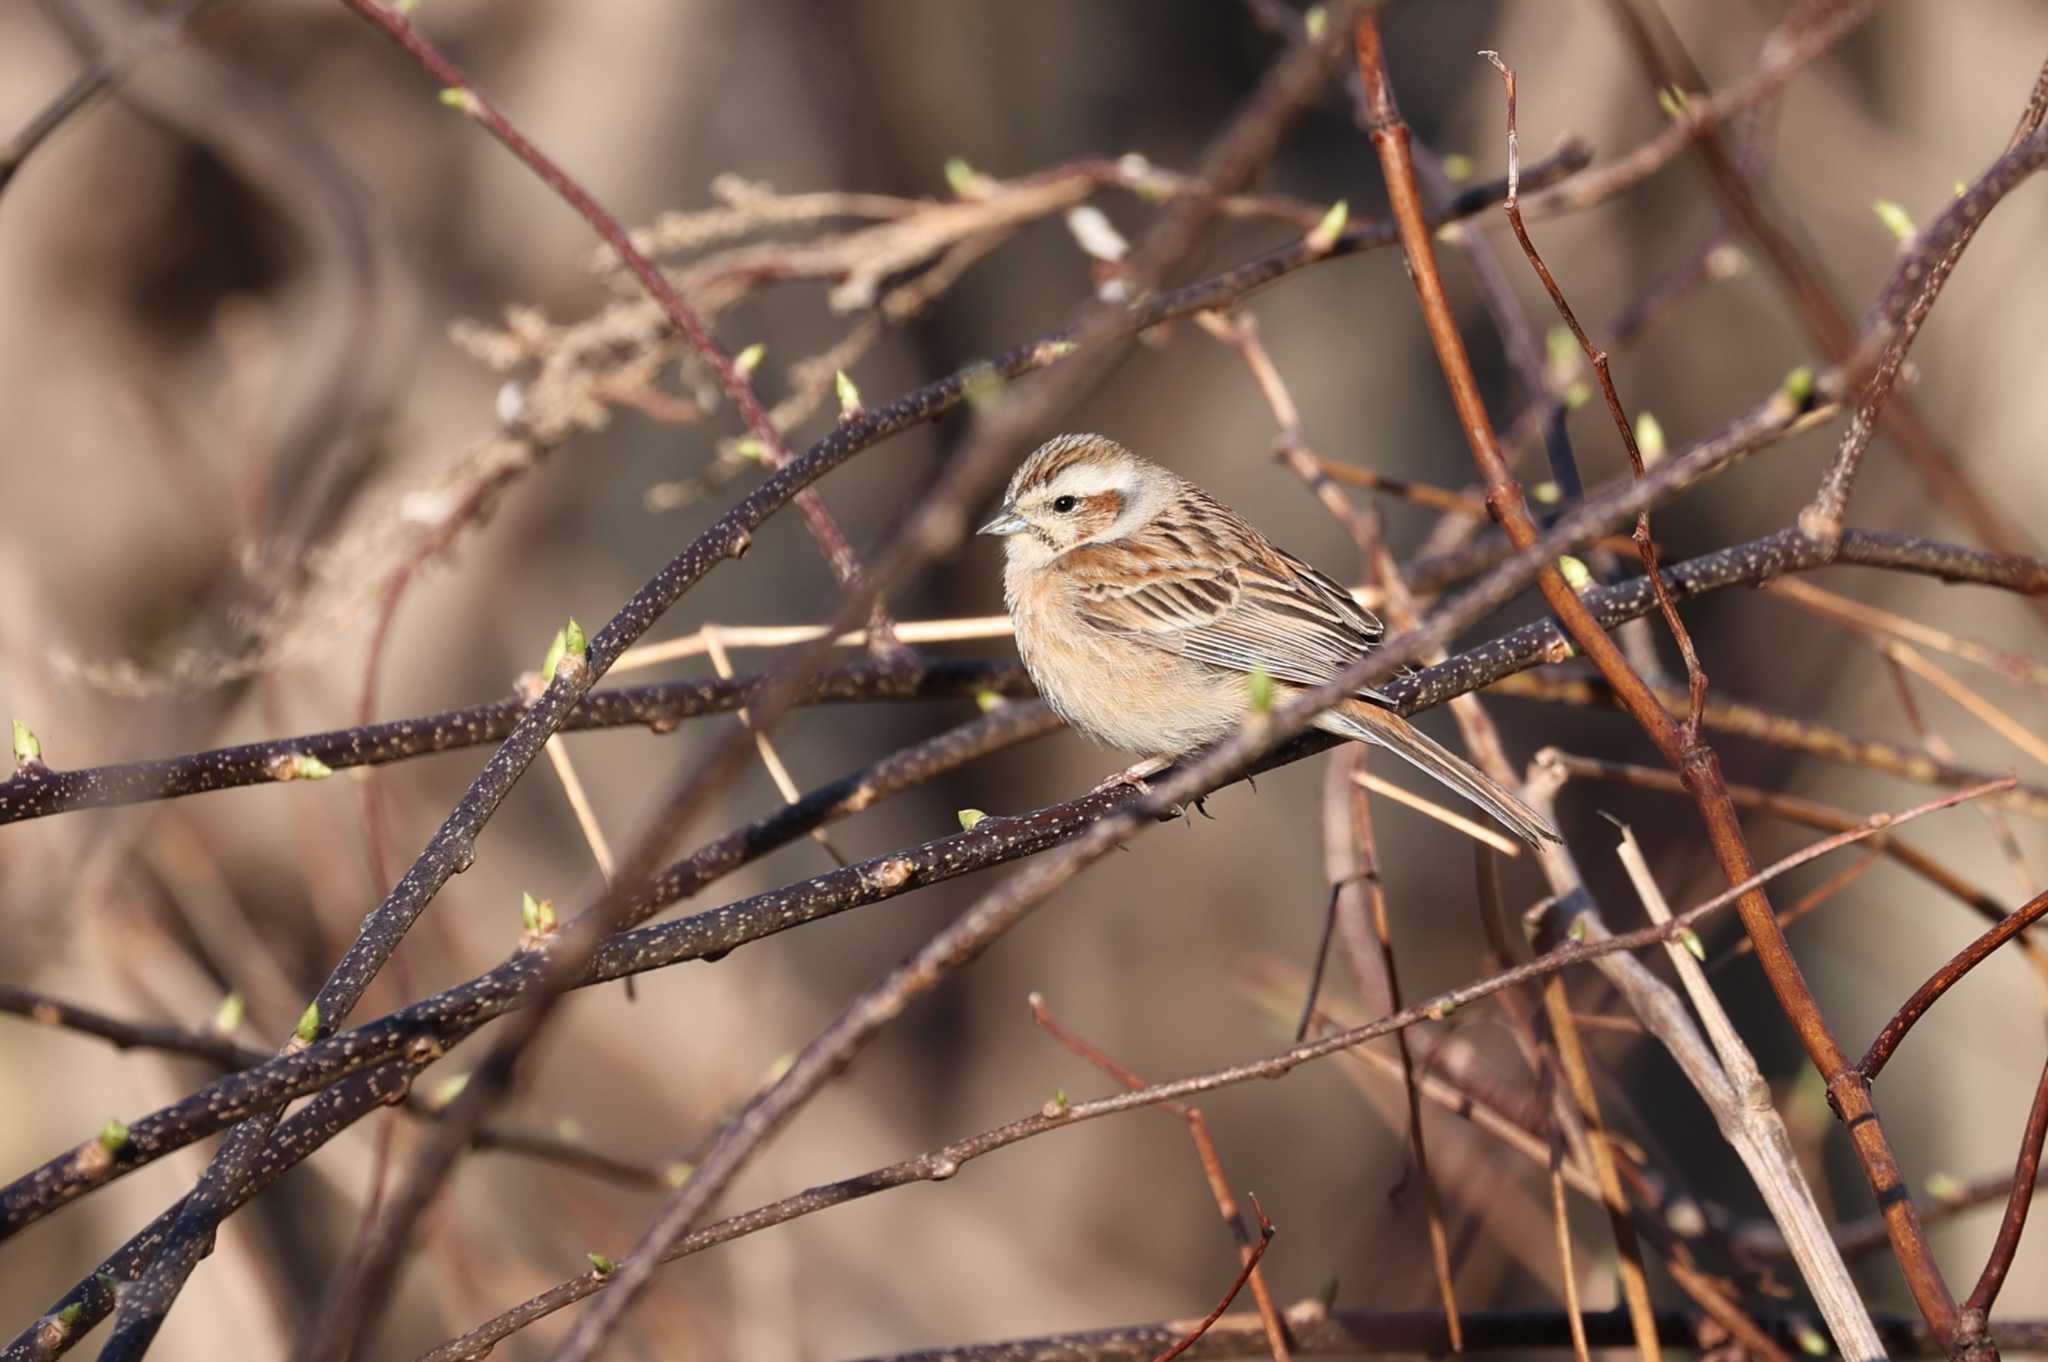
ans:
x=1076 y=490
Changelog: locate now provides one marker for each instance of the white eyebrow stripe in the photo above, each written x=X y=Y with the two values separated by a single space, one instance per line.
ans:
x=1087 y=480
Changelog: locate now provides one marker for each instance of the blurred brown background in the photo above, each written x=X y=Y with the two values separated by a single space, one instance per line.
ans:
x=160 y=323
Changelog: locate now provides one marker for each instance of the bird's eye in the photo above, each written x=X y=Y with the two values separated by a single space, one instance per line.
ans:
x=1064 y=504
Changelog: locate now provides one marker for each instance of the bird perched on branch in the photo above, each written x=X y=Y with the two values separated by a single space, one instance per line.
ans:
x=1143 y=607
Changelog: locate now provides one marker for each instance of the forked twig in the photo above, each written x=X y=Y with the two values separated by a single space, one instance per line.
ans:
x=1244 y=1273
x=1212 y=1170
x=1646 y=545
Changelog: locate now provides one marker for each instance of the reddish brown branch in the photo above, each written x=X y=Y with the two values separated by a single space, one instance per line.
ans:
x=1504 y=499
x=1942 y=980
x=1977 y=1308
x=1244 y=1273
x=1646 y=546
x=1694 y=761
x=1212 y=1170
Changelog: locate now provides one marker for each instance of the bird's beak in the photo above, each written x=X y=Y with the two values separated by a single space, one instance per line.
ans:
x=1009 y=522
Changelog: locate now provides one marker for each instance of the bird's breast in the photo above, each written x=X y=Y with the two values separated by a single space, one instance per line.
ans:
x=1121 y=691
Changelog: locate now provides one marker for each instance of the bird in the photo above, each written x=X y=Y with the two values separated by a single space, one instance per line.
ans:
x=1143 y=607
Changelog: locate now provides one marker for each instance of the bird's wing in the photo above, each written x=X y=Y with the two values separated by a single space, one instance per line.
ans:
x=1256 y=608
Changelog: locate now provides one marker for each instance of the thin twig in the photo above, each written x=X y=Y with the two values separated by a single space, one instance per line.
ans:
x=1251 y=1264
x=1937 y=249
x=2007 y=1241
x=1941 y=981
x=1742 y=1106
x=1451 y=818
x=1566 y=1268
x=946 y=1162
x=1646 y=544
x=1786 y=731
x=1212 y=1171
x=1872 y=621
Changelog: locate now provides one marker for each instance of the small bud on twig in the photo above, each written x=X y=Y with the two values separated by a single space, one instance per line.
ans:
x=1650 y=438
x=308 y=1029
x=849 y=396
x=114 y=1136
x=1095 y=234
x=229 y=1017
x=536 y=916
x=569 y=643
x=749 y=359
x=964 y=180
x=1323 y=239
x=970 y=819
x=1727 y=261
x=28 y=749
x=1896 y=219
x=983 y=386
x=298 y=766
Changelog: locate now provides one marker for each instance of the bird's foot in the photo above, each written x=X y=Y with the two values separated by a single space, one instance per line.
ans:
x=1134 y=776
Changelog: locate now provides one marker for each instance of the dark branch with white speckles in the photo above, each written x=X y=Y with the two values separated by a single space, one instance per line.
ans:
x=425 y=1030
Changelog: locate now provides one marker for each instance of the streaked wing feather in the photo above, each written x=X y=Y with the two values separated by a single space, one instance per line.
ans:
x=1256 y=608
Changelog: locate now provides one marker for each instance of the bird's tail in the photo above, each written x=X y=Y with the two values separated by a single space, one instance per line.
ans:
x=1366 y=722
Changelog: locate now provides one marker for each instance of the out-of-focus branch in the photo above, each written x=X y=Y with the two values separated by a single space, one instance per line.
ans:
x=1917 y=280
x=225 y=1052
x=1785 y=731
